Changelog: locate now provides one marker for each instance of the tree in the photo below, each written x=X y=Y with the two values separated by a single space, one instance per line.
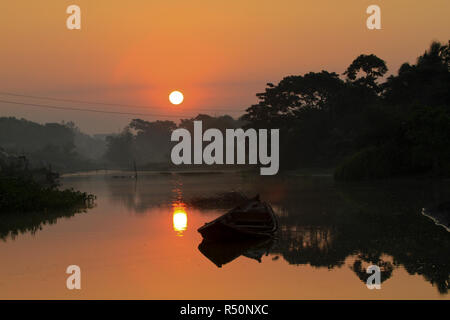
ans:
x=372 y=68
x=280 y=105
x=141 y=141
x=152 y=140
x=429 y=133
x=425 y=83
x=120 y=148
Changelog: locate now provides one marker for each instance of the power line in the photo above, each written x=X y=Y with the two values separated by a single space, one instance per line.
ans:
x=92 y=110
x=100 y=102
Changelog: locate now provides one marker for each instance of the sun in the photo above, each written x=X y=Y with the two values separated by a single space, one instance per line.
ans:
x=176 y=97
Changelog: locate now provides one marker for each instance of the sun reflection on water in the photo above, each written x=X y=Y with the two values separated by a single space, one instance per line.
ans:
x=179 y=218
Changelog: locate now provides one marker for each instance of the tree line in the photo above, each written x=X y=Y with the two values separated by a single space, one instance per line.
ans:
x=362 y=124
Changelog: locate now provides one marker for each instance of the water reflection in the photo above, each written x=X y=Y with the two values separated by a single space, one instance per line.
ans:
x=440 y=215
x=377 y=223
x=179 y=218
x=323 y=224
x=359 y=267
x=221 y=253
x=13 y=224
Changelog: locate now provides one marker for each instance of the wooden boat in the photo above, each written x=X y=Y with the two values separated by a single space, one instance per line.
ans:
x=254 y=219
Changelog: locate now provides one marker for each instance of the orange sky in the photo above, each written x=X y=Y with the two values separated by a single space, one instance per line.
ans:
x=219 y=54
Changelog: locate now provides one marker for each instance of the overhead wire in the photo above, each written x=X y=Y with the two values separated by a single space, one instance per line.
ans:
x=105 y=103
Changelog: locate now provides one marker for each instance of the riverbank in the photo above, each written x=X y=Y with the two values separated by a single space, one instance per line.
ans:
x=25 y=189
x=22 y=195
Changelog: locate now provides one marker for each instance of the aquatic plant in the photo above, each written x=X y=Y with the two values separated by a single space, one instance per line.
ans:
x=23 y=189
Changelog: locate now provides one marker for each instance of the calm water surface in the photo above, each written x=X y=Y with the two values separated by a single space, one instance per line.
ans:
x=140 y=241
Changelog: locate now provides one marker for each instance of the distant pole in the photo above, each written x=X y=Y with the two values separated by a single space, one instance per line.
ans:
x=135 y=170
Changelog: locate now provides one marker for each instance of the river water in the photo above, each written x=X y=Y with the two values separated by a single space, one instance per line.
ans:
x=140 y=241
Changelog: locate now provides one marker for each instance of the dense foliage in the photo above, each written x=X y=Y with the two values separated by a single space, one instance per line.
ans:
x=363 y=126
x=23 y=189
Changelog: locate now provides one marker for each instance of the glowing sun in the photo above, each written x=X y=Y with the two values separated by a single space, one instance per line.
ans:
x=176 y=97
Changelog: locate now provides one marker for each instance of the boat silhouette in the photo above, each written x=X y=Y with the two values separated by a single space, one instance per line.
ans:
x=223 y=252
x=254 y=219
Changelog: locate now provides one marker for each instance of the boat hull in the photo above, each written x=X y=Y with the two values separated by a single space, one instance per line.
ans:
x=218 y=231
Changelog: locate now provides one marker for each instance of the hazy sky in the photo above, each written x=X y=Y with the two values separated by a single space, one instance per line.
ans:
x=218 y=53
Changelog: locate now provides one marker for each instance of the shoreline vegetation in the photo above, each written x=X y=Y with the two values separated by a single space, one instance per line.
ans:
x=25 y=189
